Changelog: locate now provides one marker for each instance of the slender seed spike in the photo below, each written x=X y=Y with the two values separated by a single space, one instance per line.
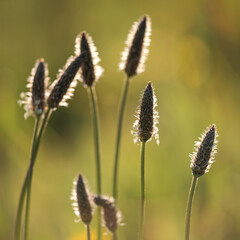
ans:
x=38 y=89
x=202 y=159
x=112 y=217
x=82 y=206
x=90 y=71
x=145 y=125
x=146 y=114
x=63 y=87
x=34 y=100
x=87 y=68
x=135 y=50
x=135 y=54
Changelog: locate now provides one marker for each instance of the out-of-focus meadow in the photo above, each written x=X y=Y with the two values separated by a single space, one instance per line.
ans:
x=194 y=65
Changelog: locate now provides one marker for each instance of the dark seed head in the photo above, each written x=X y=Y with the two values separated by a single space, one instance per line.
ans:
x=88 y=74
x=134 y=55
x=80 y=195
x=146 y=114
x=33 y=101
x=147 y=119
x=62 y=85
x=136 y=49
x=90 y=70
x=111 y=216
x=205 y=151
x=38 y=89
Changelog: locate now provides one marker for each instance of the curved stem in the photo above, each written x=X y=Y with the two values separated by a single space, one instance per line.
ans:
x=26 y=229
x=119 y=130
x=189 y=207
x=20 y=209
x=93 y=99
x=25 y=185
x=88 y=232
x=30 y=172
x=142 y=206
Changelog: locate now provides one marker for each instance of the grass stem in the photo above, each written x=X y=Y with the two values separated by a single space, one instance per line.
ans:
x=93 y=99
x=27 y=182
x=119 y=130
x=142 y=205
x=25 y=185
x=189 y=207
x=88 y=232
x=30 y=171
x=114 y=236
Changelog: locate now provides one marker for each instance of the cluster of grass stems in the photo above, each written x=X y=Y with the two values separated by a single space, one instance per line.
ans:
x=43 y=99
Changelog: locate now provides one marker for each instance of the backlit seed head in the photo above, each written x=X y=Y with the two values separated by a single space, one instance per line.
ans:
x=90 y=71
x=205 y=151
x=136 y=51
x=63 y=87
x=80 y=196
x=34 y=100
x=112 y=217
x=147 y=117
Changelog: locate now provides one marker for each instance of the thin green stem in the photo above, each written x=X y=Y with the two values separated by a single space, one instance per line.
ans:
x=119 y=130
x=96 y=137
x=142 y=206
x=97 y=149
x=27 y=210
x=25 y=185
x=189 y=207
x=114 y=236
x=88 y=232
x=20 y=209
x=43 y=126
x=30 y=171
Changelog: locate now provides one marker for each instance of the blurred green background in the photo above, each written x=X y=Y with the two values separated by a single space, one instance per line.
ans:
x=194 y=65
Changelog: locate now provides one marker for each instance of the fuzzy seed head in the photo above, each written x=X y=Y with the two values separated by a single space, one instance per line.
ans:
x=112 y=217
x=205 y=151
x=63 y=87
x=34 y=100
x=80 y=196
x=147 y=117
x=90 y=71
x=136 y=51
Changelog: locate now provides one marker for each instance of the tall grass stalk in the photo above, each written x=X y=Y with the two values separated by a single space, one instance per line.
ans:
x=201 y=161
x=142 y=205
x=118 y=139
x=30 y=172
x=189 y=207
x=29 y=182
x=93 y=100
x=25 y=184
x=26 y=188
x=132 y=63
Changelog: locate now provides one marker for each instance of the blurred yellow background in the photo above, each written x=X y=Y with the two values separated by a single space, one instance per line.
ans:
x=194 y=66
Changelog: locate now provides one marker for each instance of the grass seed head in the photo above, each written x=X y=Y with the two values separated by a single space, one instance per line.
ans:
x=38 y=89
x=205 y=151
x=147 y=117
x=34 y=100
x=112 y=217
x=63 y=87
x=90 y=71
x=82 y=205
x=136 y=51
